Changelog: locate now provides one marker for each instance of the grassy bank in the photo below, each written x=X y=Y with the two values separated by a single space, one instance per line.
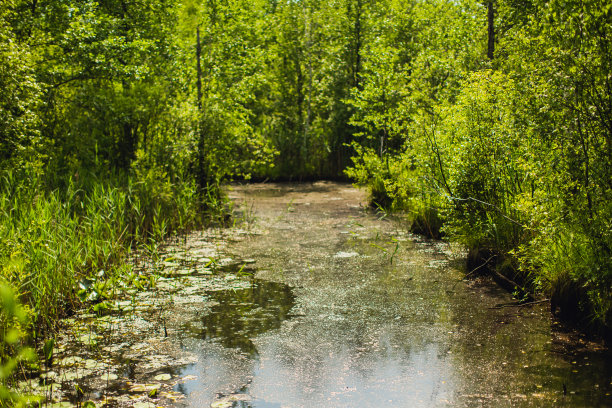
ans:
x=53 y=240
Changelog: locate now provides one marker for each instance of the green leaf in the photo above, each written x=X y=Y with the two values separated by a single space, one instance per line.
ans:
x=48 y=349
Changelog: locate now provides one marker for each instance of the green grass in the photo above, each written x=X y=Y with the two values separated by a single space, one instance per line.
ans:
x=52 y=240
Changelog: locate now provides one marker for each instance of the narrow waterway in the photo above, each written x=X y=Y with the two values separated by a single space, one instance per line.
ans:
x=312 y=300
x=347 y=309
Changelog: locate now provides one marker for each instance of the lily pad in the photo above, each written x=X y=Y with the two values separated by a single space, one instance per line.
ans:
x=109 y=377
x=49 y=375
x=63 y=404
x=70 y=376
x=88 y=338
x=222 y=404
x=173 y=395
x=141 y=404
x=162 y=377
x=144 y=387
x=92 y=363
x=70 y=361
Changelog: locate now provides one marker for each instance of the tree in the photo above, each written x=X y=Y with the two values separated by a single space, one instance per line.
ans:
x=19 y=124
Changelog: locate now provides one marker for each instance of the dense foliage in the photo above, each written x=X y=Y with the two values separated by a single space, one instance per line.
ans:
x=511 y=155
x=490 y=123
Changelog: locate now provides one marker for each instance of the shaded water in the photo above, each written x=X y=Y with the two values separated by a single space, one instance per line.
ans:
x=347 y=309
x=239 y=315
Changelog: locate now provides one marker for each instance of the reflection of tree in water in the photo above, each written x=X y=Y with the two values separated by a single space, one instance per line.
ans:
x=244 y=313
x=248 y=404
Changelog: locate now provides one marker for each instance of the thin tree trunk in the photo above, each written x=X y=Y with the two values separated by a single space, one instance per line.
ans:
x=587 y=182
x=357 y=68
x=491 y=29
x=308 y=35
x=199 y=65
x=201 y=171
x=299 y=101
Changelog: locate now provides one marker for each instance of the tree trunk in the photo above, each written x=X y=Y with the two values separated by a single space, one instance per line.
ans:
x=308 y=36
x=202 y=174
x=357 y=69
x=199 y=68
x=491 y=29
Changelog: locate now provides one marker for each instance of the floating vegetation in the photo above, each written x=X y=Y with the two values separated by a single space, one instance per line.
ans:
x=234 y=400
x=343 y=254
x=119 y=352
x=376 y=315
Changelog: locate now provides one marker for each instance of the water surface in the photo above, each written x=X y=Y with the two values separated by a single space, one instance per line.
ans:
x=347 y=309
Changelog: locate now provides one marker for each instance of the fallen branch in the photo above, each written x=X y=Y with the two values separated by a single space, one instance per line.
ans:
x=519 y=304
x=478 y=267
x=473 y=270
x=509 y=284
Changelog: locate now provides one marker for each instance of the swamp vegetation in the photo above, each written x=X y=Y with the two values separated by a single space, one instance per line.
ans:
x=337 y=307
x=488 y=123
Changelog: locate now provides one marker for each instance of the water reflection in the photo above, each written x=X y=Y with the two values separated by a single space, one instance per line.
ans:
x=390 y=325
x=240 y=315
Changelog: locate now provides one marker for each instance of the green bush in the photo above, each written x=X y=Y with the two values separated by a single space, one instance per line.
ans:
x=14 y=321
x=486 y=147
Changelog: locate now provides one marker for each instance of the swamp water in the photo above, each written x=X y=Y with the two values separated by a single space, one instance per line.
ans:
x=315 y=302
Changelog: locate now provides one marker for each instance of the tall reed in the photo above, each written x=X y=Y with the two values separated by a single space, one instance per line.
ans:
x=50 y=240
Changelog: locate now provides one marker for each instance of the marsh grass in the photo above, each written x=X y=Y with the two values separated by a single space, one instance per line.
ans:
x=65 y=246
